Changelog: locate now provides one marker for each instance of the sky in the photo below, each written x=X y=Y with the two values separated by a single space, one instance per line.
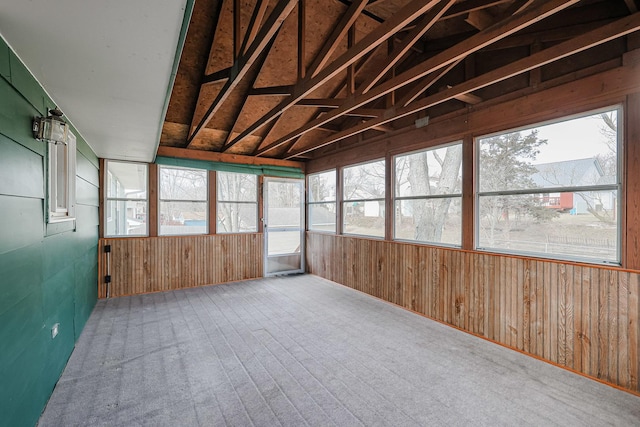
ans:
x=573 y=139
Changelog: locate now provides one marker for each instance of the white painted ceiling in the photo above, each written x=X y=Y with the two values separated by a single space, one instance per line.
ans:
x=106 y=63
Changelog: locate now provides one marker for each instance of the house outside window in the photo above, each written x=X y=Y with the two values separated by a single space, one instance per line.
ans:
x=428 y=195
x=183 y=203
x=61 y=182
x=237 y=209
x=363 y=199
x=552 y=190
x=126 y=199
x=322 y=201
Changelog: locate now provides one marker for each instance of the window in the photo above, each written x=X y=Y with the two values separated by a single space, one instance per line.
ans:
x=363 y=199
x=126 y=199
x=428 y=194
x=183 y=202
x=552 y=190
x=61 y=180
x=237 y=202
x=322 y=201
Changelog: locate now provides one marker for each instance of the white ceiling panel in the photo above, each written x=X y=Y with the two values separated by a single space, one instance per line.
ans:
x=107 y=64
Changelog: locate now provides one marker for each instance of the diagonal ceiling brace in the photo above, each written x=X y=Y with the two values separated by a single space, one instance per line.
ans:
x=369 y=42
x=245 y=96
x=339 y=31
x=254 y=24
x=242 y=66
x=578 y=44
x=429 y=81
x=426 y=22
x=472 y=44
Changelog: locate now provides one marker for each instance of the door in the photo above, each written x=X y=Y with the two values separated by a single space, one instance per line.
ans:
x=283 y=226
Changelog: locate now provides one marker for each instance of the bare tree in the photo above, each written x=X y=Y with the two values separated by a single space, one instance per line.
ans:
x=430 y=214
x=179 y=187
x=237 y=201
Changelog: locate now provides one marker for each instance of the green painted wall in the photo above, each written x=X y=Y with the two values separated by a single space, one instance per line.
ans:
x=47 y=275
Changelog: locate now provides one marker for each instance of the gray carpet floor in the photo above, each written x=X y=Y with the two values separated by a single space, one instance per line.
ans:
x=301 y=350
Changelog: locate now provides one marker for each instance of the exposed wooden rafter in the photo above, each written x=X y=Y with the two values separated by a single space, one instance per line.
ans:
x=631 y=4
x=426 y=83
x=271 y=91
x=245 y=96
x=183 y=153
x=479 y=19
x=578 y=44
x=466 y=7
x=339 y=32
x=472 y=44
x=237 y=28
x=254 y=25
x=244 y=63
x=379 y=35
x=302 y=34
x=398 y=51
x=218 y=76
x=347 y=19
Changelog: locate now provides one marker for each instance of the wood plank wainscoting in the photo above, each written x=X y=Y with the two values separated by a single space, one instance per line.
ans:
x=153 y=264
x=580 y=317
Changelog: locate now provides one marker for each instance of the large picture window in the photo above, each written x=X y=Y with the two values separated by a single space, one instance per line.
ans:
x=363 y=199
x=126 y=199
x=553 y=189
x=322 y=201
x=237 y=195
x=428 y=194
x=183 y=201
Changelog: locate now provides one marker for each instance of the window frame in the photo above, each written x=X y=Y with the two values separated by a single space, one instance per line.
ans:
x=161 y=200
x=618 y=186
x=324 y=202
x=254 y=202
x=66 y=171
x=343 y=200
x=108 y=199
x=395 y=197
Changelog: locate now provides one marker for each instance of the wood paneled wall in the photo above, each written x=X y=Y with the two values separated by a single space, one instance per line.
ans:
x=152 y=264
x=581 y=317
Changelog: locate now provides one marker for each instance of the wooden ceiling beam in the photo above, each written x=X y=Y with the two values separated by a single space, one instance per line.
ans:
x=455 y=53
x=468 y=98
x=245 y=96
x=336 y=36
x=328 y=104
x=369 y=42
x=254 y=24
x=426 y=22
x=479 y=19
x=351 y=69
x=237 y=28
x=469 y=6
x=285 y=90
x=366 y=112
x=242 y=66
x=423 y=86
x=578 y=44
x=631 y=5
x=218 y=76
x=518 y=6
x=321 y=102
x=212 y=156
x=302 y=36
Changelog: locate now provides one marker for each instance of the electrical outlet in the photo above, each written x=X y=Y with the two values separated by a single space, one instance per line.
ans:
x=54 y=330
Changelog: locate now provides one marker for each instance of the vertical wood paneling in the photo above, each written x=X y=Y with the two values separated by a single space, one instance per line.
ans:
x=581 y=317
x=153 y=264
